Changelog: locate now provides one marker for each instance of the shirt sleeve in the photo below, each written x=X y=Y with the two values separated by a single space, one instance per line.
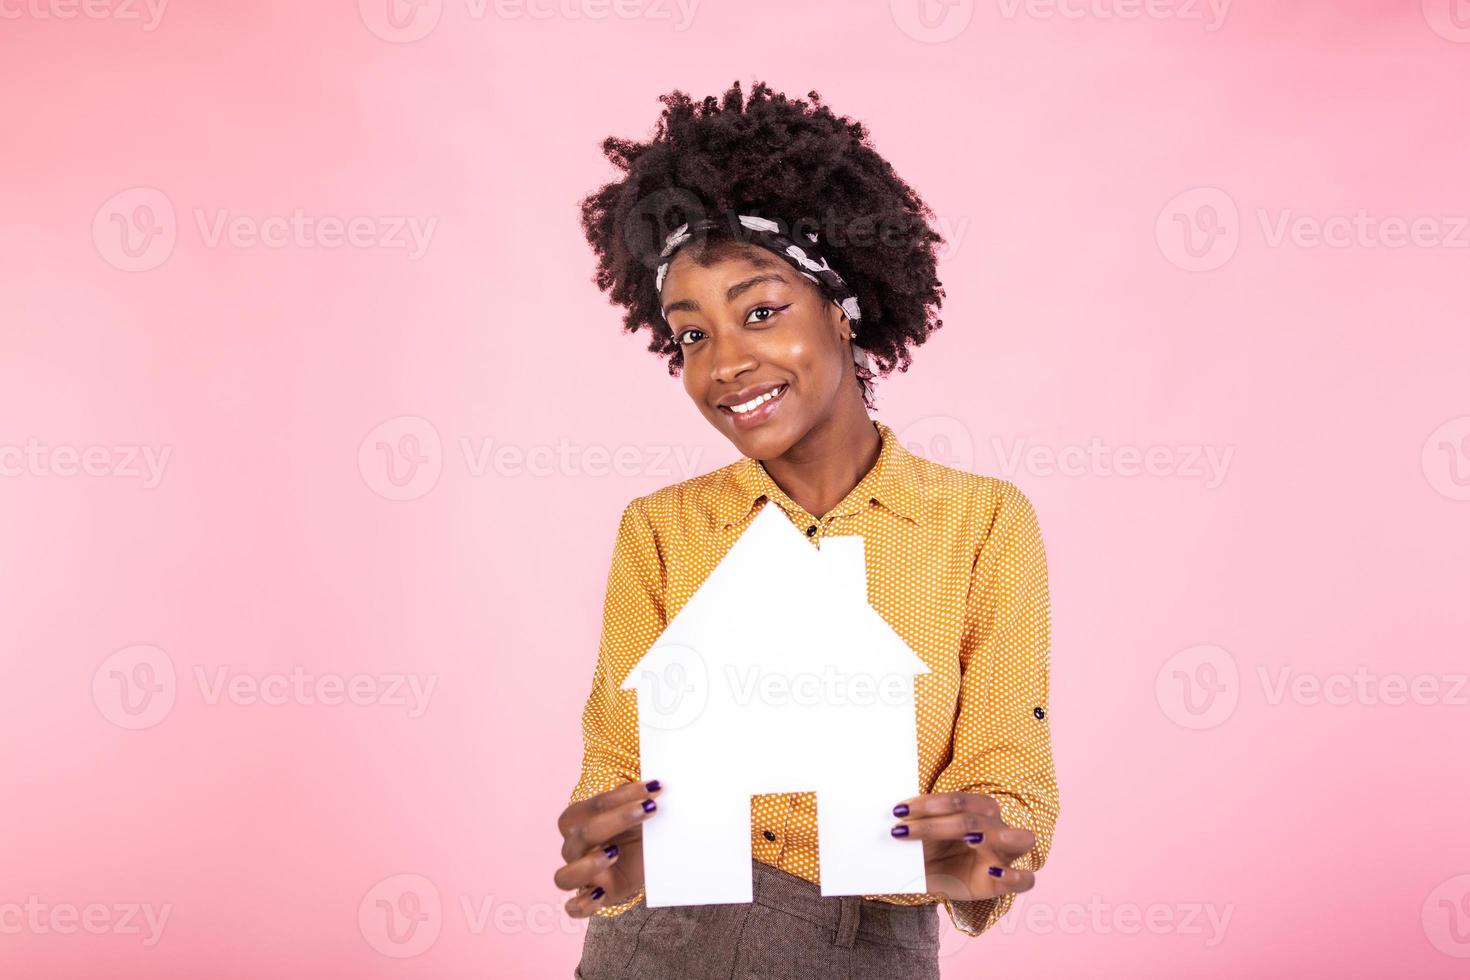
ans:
x=633 y=617
x=1002 y=736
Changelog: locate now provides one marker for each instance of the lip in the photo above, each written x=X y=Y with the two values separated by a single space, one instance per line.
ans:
x=746 y=394
x=758 y=415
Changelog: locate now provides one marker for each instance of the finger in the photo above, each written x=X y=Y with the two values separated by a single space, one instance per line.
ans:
x=971 y=827
x=1013 y=879
x=593 y=896
x=577 y=873
x=1006 y=844
x=939 y=804
x=603 y=826
x=579 y=812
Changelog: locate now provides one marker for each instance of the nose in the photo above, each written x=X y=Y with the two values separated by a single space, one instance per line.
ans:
x=731 y=356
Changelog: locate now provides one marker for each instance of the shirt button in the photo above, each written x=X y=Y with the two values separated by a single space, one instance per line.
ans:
x=811 y=530
x=768 y=835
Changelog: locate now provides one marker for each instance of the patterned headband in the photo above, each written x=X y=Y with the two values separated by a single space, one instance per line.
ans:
x=806 y=259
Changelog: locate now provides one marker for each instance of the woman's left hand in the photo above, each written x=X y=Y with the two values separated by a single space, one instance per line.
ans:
x=968 y=848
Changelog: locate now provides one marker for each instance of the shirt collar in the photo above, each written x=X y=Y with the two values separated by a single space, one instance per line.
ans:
x=893 y=482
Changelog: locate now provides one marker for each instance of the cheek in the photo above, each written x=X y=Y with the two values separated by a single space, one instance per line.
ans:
x=812 y=363
x=695 y=386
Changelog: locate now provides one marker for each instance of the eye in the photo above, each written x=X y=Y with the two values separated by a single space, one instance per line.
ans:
x=772 y=310
x=679 y=337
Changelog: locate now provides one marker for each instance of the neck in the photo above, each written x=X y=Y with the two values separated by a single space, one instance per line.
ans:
x=822 y=467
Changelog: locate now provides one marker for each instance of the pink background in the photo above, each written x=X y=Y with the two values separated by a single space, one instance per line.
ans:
x=1329 y=381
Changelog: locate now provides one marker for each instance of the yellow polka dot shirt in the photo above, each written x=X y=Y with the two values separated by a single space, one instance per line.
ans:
x=955 y=565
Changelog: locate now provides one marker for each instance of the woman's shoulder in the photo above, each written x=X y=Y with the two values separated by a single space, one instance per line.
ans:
x=709 y=492
x=980 y=497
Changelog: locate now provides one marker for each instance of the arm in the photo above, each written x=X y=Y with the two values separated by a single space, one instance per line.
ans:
x=633 y=617
x=1001 y=748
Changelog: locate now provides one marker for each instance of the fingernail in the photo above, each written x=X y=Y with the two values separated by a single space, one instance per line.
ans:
x=649 y=806
x=597 y=893
x=996 y=872
x=901 y=830
x=611 y=851
x=652 y=786
x=902 y=810
x=974 y=837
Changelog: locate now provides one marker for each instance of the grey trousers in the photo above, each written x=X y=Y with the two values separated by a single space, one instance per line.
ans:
x=790 y=932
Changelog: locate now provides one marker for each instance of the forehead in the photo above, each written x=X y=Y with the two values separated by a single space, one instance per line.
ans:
x=718 y=262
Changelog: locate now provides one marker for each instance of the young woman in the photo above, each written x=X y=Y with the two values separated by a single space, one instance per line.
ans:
x=780 y=265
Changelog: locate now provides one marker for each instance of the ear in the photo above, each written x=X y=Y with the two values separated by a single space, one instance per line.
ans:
x=837 y=318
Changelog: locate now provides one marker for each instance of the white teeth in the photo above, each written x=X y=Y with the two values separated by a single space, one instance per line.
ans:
x=757 y=401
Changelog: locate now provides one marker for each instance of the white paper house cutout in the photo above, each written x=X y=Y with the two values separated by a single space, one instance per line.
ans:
x=777 y=676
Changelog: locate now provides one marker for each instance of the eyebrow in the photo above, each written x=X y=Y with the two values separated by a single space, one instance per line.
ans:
x=731 y=294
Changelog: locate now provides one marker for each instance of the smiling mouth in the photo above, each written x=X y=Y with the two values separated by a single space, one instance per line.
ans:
x=757 y=409
x=754 y=403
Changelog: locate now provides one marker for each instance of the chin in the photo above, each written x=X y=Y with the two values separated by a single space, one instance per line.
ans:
x=764 y=442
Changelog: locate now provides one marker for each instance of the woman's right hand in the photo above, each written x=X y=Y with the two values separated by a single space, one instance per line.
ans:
x=602 y=845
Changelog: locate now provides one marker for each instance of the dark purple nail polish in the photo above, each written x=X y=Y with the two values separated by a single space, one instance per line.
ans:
x=597 y=893
x=974 y=837
x=649 y=806
x=902 y=810
x=996 y=872
x=901 y=830
x=652 y=786
x=611 y=851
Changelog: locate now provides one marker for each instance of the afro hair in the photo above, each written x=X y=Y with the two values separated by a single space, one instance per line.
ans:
x=785 y=159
